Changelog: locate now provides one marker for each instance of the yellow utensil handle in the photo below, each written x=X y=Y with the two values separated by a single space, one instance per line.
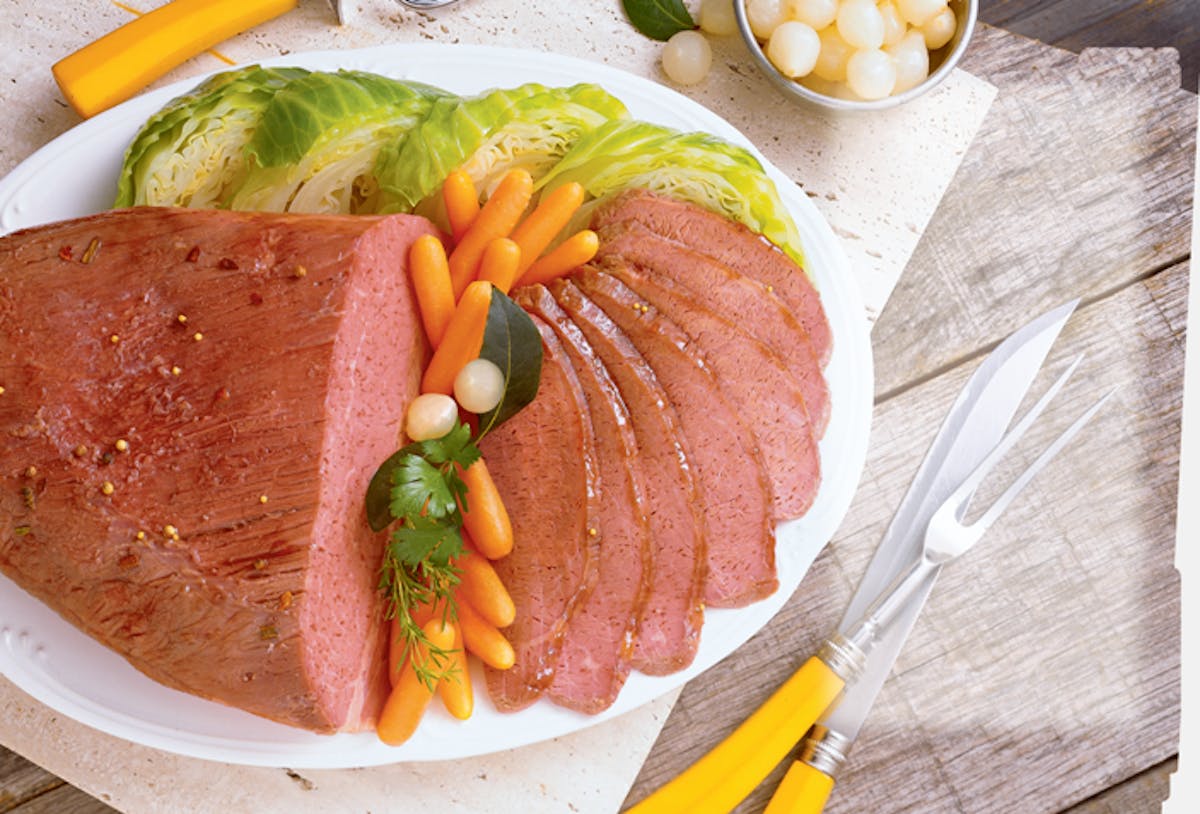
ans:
x=717 y=782
x=118 y=65
x=803 y=790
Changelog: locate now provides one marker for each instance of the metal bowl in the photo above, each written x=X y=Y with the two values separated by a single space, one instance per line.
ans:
x=941 y=63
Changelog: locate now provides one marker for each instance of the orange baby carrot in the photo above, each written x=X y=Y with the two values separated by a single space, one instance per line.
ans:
x=481 y=586
x=407 y=701
x=421 y=615
x=455 y=688
x=484 y=516
x=462 y=340
x=501 y=263
x=570 y=255
x=483 y=639
x=462 y=202
x=536 y=232
x=430 y=272
x=496 y=219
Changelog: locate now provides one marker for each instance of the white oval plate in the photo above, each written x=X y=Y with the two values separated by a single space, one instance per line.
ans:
x=48 y=658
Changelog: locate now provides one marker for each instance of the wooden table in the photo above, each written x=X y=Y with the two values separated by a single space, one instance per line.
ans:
x=1044 y=674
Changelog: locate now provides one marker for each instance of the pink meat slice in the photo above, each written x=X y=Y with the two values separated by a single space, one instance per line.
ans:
x=736 y=297
x=755 y=380
x=222 y=548
x=731 y=473
x=672 y=613
x=730 y=243
x=594 y=658
x=543 y=462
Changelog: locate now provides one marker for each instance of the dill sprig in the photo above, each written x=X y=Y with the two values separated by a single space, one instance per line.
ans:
x=423 y=492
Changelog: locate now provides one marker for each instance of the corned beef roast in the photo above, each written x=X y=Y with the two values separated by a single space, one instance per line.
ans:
x=193 y=405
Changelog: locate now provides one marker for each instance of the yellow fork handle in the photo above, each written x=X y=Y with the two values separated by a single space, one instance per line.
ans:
x=121 y=63
x=717 y=782
x=803 y=790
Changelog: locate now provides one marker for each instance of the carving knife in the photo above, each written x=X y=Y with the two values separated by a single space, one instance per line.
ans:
x=722 y=778
x=975 y=423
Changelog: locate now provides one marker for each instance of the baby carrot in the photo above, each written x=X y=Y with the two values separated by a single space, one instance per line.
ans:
x=501 y=263
x=534 y=233
x=496 y=219
x=483 y=639
x=481 y=586
x=421 y=615
x=455 y=689
x=462 y=202
x=570 y=255
x=431 y=280
x=408 y=699
x=484 y=515
x=462 y=340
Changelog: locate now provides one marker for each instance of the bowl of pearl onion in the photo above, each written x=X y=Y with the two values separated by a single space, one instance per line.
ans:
x=853 y=55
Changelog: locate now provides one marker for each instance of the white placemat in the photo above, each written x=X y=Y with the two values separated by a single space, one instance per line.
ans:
x=877 y=180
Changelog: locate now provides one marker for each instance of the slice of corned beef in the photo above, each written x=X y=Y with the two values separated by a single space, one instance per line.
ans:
x=593 y=661
x=733 y=479
x=668 y=629
x=193 y=404
x=543 y=461
x=730 y=243
x=736 y=297
x=750 y=374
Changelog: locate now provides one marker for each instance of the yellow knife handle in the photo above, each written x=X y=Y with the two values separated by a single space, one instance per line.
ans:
x=118 y=65
x=803 y=790
x=717 y=782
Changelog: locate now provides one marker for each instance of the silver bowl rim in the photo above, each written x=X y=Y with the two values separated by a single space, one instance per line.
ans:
x=791 y=87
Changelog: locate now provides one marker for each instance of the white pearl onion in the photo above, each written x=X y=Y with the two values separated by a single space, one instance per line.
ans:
x=764 y=16
x=860 y=23
x=911 y=59
x=917 y=12
x=870 y=73
x=939 y=29
x=687 y=57
x=430 y=416
x=479 y=386
x=835 y=52
x=716 y=17
x=814 y=13
x=894 y=27
x=793 y=49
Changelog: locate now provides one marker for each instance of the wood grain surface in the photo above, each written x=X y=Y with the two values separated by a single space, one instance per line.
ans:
x=1045 y=670
x=1044 y=674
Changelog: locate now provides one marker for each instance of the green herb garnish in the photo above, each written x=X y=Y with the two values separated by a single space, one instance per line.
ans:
x=659 y=19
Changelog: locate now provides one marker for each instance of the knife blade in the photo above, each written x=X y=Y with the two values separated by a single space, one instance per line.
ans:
x=975 y=423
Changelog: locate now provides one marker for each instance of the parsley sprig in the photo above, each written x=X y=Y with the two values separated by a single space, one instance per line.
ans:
x=418 y=491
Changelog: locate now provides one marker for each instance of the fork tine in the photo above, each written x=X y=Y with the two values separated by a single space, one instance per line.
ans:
x=997 y=508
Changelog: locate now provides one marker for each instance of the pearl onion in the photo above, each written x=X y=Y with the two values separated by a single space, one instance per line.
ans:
x=918 y=12
x=911 y=59
x=939 y=29
x=860 y=23
x=894 y=27
x=831 y=62
x=479 y=386
x=430 y=416
x=815 y=13
x=716 y=17
x=764 y=16
x=871 y=73
x=793 y=49
x=687 y=57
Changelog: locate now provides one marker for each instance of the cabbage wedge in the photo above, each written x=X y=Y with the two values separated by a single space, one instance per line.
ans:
x=191 y=152
x=530 y=127
x=320 y=137
x=695 y=167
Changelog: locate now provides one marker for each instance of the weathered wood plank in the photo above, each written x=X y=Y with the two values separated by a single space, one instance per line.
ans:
x=64 y=799
x=21 y=780
x=1079 y=182
x=1049 y=655
x=1141 y=794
